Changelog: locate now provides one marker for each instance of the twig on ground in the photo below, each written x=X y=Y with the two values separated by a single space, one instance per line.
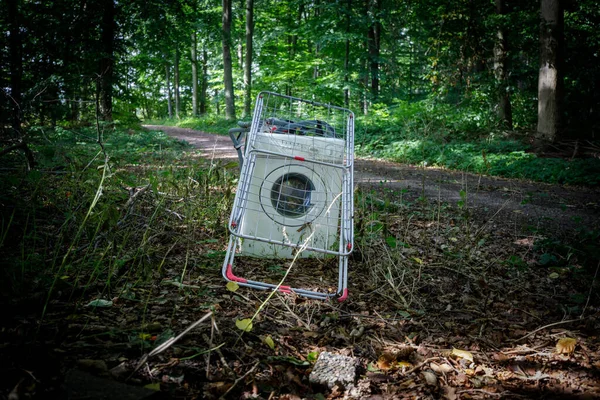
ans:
x=238 y=380
x=591 y=289
x=169 y=343
x=420 y=365
x=221 y=357
x=546 y=326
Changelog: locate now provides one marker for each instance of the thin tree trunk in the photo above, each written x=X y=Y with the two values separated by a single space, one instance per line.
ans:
x=347 y=57
x=204 y=80
x=374 y=36
x=194 y=60
x=550 y=81
x=500 y=70
x=176 y=84
x=248 y=60
x=106 y=70
x=168 y=79
x=16 y=65
x=227 y=63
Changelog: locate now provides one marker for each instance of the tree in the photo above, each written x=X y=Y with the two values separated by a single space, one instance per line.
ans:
x=500 y=69
x=227 y=62
x=106 y=67
x=194 y=60
x=248 y=58
x=550 y=81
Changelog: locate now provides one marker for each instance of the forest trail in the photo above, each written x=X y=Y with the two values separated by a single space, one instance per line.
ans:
x=553 y=208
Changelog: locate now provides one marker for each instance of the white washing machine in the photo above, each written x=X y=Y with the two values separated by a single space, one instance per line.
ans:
x=293 y=203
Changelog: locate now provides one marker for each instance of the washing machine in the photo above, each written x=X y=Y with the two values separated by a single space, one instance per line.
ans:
x=293 y=195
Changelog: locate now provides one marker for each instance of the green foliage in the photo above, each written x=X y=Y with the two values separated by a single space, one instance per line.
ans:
x=83 y=215
x=464 y=138
x=207 y=123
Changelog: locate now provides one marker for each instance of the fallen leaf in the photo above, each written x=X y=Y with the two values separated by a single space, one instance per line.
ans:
x=312 y=356
x=100 y=303
x=566 y=345
x=441 y=368
x=554 y=275
x=462 y=354
x=153 y=386
x=232 y=286
x=430 y=378
x=269 y=342
x=244 y=324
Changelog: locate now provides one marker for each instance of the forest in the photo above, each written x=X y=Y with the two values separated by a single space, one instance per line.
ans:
x=474 y=273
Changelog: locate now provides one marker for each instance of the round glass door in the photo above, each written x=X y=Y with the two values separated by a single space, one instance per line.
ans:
x=291 y=195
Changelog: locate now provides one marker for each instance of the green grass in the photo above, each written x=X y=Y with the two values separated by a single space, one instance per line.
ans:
x=86 y=215
x=211 y=123
x=463 y=139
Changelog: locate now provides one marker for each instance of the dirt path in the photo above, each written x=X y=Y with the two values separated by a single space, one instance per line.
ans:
x=554 y=208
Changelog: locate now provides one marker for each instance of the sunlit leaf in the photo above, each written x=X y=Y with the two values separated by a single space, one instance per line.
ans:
x=153 y=386
x=462 y=354
x=244 y=324
x=430 y=378
x=232 y=286
x=418 y=260
x=372 y=368
x=269 y=342
x=566 y=345
x=312 y=356
x=145 y=336
x=100 y=303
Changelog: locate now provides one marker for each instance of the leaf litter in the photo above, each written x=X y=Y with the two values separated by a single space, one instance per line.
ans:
x=451 y=308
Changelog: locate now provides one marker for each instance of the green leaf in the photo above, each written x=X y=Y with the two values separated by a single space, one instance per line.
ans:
x=232 y=286
x=244 y=324
x=312 y=356
x=391 y=241
x=269 y=342
x=100 y=303
x=153 y=386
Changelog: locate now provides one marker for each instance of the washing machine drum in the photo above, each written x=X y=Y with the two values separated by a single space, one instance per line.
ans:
x=293 y=196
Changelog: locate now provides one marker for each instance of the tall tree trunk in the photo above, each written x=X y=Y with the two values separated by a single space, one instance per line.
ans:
x=194 y=60
x=106 y=72
x=317 y=6
x=227 y=63
x=500 y=70
x=550 y=81
x=347 y=57
x=248 y=60
x=168 y=79
x=176 y=84
x=16 y=65
x=374 y=36
x=204 y=80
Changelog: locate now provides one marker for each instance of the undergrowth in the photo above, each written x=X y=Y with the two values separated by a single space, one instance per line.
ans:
x=210 y=123
x=464 y=139
x=111 y=215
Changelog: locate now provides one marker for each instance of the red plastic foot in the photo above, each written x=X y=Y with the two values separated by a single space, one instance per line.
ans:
x=232 y=277
x=344 y=295
x=285 y=289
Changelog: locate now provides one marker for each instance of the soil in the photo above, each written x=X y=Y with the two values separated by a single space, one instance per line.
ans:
x=555 y=209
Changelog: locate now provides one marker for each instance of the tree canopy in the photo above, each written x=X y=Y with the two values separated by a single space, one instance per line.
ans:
x=136 y=58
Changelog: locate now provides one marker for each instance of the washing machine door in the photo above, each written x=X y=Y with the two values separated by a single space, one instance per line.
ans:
x=293 y=195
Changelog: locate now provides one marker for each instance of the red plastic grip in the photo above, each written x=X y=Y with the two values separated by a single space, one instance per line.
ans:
x=344 y=295
x=285 y=289
x=298 y=158
x=232 y=277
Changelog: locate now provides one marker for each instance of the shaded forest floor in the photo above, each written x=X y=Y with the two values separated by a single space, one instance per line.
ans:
x=461 y=287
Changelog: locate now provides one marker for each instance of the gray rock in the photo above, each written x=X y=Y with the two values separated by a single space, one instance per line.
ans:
x=334 y=369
